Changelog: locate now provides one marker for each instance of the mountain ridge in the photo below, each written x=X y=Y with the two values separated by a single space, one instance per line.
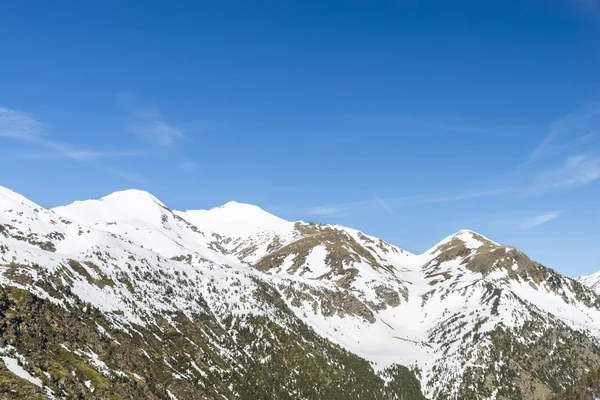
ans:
x=233 y=204
x=457 y=313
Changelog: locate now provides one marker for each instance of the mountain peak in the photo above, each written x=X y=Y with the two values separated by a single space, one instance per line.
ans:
x=465 y=231
x=592 y=280
x=465 y=237
x=134 y=195
x=236 y=219
x=121 y=205
x=469 y=233
x=235 y=205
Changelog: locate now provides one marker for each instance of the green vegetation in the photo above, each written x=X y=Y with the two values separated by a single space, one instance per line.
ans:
x=76 y=348
x=586 y=388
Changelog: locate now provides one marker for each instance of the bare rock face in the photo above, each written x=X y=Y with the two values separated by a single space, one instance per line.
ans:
x=389 y=296
x=342 y=304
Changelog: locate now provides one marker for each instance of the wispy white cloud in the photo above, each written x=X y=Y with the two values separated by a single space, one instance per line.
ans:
x=188 y=166
x=15 y=124
x=24 y=127
x=385 y=205
x=575 y=171
x=344 y=208
x=64 y=151
x=437 y=125
x=567 y=156
x=325 y=210
x=587 y=5
x=125 y=175
x=538 y=220
x=147 y=123
x=468 y=195
x=512 y=221
x=156 y=130
x=576 y=131
x=337 y=209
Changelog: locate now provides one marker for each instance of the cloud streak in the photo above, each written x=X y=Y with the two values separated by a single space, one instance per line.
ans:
x=327 y=210
x=587 y=6
x=385 y=206
x=468 y=195
x=538 y=220
x=19 y=125
x=386 y=203
x=576 y=171
x=440 y=126
x=574 y=132
x=125 y=175
x=25 y=128
x=568 y=156
x=65 y=151
x=147 y=123
x=188 y=166
x=344 y=208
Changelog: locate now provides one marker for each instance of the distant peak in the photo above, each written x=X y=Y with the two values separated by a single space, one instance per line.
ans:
x=465 y=231
x=469 y=238
x=129 y=192
x=131 y=204
x=235 y=204
x=468 y=234
x=132 y=195
x=236 y=219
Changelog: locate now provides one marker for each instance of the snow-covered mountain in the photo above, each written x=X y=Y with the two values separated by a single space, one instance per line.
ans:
x=213 y=297
x=592 y=281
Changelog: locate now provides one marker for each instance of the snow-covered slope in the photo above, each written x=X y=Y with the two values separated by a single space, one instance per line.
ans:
x=237 y=220
x=459 y=314
x=592 y=281
x=242 y=229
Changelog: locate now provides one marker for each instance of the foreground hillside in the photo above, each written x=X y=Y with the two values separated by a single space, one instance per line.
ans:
x=73 y=352
x=125 y=297
x=86 y=313
x=586 y=388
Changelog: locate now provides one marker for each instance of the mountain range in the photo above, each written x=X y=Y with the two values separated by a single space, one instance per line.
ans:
x=123 y=297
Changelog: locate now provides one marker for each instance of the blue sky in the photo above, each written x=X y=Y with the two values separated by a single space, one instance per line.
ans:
x=408 y=120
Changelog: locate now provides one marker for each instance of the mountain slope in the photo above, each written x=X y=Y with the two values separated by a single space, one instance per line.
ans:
x=586 y=388
x=274 y=300
x=97 y=309
x=592 y=281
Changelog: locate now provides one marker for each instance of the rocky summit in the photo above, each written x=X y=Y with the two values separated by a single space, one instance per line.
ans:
x=125 y=298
